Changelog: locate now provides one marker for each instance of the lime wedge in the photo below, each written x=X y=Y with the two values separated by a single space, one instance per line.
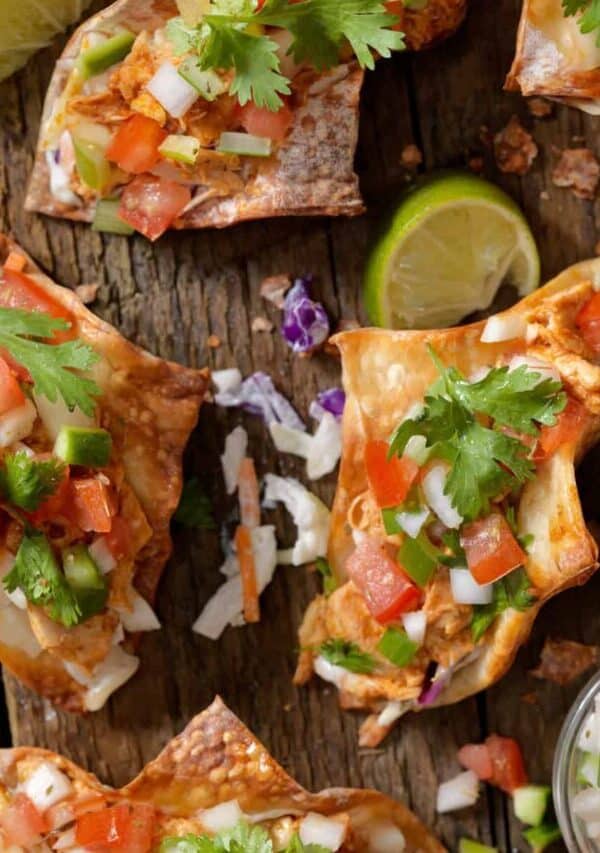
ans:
x=28 y=25
x=445 y=252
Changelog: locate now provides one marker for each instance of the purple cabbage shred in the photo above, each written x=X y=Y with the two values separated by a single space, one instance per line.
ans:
x=305 y=322
x=332 y=400
x=258 y=395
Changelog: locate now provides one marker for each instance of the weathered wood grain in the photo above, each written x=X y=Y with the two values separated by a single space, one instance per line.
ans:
x=170 y=297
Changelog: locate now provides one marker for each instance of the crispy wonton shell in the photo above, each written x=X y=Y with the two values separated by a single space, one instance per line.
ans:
x=312 y=172
x=541 y=67
x=385 y=374
x=216 y=759
x=153 y=406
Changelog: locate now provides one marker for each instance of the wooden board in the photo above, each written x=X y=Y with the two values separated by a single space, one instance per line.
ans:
x=169 y=298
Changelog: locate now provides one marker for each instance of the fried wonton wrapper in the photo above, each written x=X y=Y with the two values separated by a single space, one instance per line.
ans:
x=554 y=58
x=385 y=374
x=216 y=760
x=149 y=406
x=311 y=173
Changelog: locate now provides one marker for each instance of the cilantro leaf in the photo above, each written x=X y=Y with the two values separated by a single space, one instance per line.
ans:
x=512 y=591
x=37 y=574
x=348 y=655
x=254 y=58
x=329 y=582
x=243 y=838
x=297 y=846
x=485 y=463
x=319 y=29
x=513 y=398
x=50 y=365
x=194 y=508
x=26 y=482
x=590 y=14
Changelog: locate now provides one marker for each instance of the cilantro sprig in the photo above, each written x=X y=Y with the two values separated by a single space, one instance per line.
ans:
x=330 y=583
x=243 y=838
x=589 y=11
x=512 y=591
x=348 y=655
x=485 y=461
x=26 y=482
x=38 y=575
x=50 y=366
x=319 y=30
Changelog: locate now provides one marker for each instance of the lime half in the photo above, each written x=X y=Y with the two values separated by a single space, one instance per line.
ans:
x=28 y=25
x=447 y=249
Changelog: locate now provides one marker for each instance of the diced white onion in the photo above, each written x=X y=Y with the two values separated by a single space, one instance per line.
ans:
x=416 y=449
x=329 y=671
x=16 y=632
x=535 y=365
x=226 y=380
x=325 y=448
x=171 y=91
x=310 y=516
x=57 y=414
x=592 y=829
x=17 y=424
x=588 y=740
x=386 y=838
x=60 y=182
x=236 y=444
x=17 y=597
x=141 y=617
x=287 y=64
x=412 y=522
x=503 y=327
x=458 y=793
x=102 y=555
x=318 y=829
x=586 y=804
x=415 y=625
x=226 y=605
x=434 y=483
x=119 y=635
x=289 y=440
x=466 y=590
x=392 y=712
x=66 y=840
x=46 y=786
x=221 y=817
x=108 y=676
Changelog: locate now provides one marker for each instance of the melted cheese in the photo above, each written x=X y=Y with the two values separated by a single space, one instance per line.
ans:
x=579 y=49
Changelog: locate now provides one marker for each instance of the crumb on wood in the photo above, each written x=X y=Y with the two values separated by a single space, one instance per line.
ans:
x=261 y=324
x=540 y=107
x=579 y=170
x=476 y=164
x=562 y=661
x=530 y=698
x=411 y=156
x=274 y=287
x=214 y=341
x=514 y=148
x=544 y=195
x=486 y=136
x=597 y=248
x=87 y=292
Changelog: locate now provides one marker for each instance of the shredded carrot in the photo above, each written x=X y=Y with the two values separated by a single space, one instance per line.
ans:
x=245 y=555
x=248 y=494
x=15 y=261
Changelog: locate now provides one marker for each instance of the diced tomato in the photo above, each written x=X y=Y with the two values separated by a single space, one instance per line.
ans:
x=11 y=396
x=89 y=504
x=259 y=121
x=21 y=823
x=492 y=550
x=508 y=769
x=388 y=591
x=390 y=479
x=118 y=538
x=55 y=502
x=135 y=146
x=121 y=829
x=565 y=431
x=150 y=204
x=15 y=261
x=588 y=322
x=17 y=290
x=476 y=757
